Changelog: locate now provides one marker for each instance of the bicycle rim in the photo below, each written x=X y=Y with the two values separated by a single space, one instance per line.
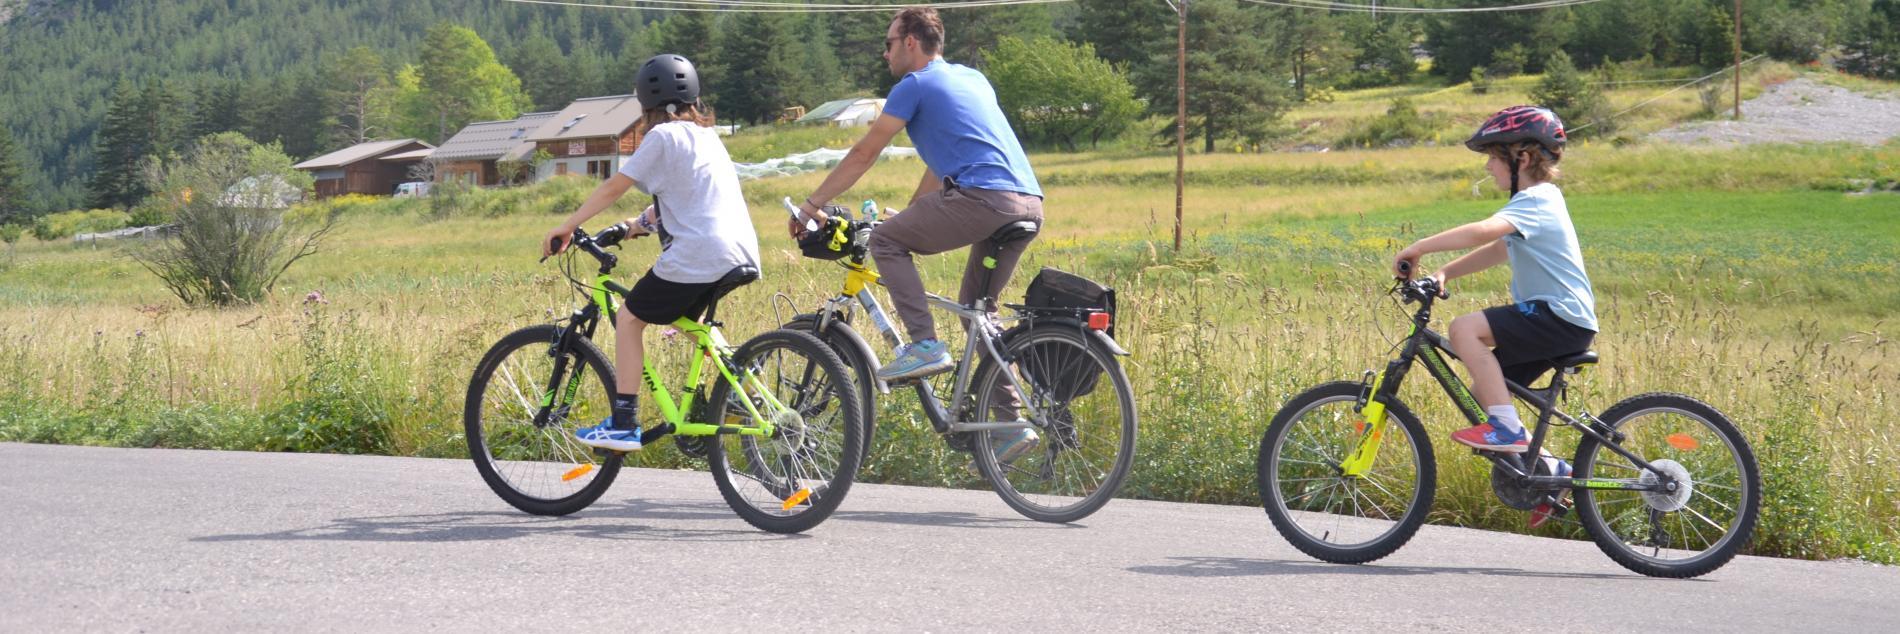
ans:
x=805 y=469
x=1304 y=481
x=539 y=468
x=1664 y=532
x=1086 y=425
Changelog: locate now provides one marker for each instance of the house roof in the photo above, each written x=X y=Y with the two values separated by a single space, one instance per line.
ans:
x=412 y=155
x=492 y=140
x=831 y=109
x=589 y=118
x=358 y=152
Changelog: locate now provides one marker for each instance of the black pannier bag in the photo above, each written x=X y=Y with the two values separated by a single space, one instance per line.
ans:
x=1058 y=293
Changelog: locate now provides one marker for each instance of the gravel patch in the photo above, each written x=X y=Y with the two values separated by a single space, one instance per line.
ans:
x=1799 y=111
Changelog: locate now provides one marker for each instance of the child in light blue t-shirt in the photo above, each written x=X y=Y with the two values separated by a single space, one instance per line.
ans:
x=1554 y=313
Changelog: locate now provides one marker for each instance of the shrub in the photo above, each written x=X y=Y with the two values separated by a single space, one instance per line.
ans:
x=1566 y=91
x=1400 y=125
x=66 y=224
x=1059 y=92
x=227 y=250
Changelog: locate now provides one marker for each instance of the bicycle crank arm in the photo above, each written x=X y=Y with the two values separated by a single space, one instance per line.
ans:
x=963 y=427
x=703 y=429
x=1600 y=484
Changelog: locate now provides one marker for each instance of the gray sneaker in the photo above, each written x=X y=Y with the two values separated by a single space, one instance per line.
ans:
x=917 y=360
x=1011 y=445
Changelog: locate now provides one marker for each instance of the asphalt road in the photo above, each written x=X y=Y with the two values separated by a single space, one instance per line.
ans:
x=168 y=540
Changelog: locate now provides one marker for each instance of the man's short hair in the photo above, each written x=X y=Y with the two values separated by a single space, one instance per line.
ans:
x=922 y=23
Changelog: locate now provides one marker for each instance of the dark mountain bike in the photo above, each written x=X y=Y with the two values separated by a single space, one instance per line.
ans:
x=1663 y=482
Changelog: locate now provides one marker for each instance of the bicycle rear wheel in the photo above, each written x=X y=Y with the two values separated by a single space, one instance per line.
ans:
x=537 y=466
x=1332 y=516
x=1085 y=419
x=793 y=480
x=1685 y=533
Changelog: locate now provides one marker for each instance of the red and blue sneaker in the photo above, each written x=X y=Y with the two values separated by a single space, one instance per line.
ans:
x=1493 y=437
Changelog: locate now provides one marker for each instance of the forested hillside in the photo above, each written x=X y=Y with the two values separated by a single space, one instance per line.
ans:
x=313 y=75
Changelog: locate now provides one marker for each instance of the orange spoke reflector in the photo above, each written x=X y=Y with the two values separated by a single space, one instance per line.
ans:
x=1683 y=442
x=576 y=472
x=1359 y=427
x=796 y=499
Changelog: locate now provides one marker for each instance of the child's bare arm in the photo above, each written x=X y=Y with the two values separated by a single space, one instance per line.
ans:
x=603 y=197
x=1478 y=259
x=1457 y=238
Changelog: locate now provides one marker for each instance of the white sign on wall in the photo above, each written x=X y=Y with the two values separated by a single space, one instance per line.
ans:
x=576 y=148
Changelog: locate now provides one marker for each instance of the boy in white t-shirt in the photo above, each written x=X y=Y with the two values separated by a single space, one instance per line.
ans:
x=699 y=213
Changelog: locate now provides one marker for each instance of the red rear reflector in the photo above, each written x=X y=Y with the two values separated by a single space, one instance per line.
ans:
x=1098 y=321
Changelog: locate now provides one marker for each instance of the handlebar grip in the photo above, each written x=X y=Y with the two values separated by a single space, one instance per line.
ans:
x=1405 y=268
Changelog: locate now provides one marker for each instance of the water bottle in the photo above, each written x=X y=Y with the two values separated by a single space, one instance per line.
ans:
x=869 y=210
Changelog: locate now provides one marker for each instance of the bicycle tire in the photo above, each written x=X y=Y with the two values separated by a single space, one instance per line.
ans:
x=840 y=341
x=758 y=467
x=1051 y=357
x=483 y=445
x=1274 y=500
x=1591 y=504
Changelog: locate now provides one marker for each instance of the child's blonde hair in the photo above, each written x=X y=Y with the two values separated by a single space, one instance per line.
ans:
x=1542 y=166
x=697 y=113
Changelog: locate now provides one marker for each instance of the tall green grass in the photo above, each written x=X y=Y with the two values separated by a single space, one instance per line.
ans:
x=1745 y=277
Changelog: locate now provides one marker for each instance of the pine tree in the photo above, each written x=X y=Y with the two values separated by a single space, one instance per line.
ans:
x=1236 y=81
x=214 y=109
x=1316 y=47
x=1132 y=34
x=122 y=145
x=967 y=34
x=15 y=208
x=353 y=83
x=543 y=71
x=766 y=60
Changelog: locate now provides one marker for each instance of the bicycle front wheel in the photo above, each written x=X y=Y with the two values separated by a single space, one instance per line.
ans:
x=1316 y=505
x=1683 y=533
x=1084 y=419
x=531 y=460
x=794 y=479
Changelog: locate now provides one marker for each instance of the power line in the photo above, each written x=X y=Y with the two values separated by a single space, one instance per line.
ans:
x=754 y=6
x=1387 y=8
x=1672 y=91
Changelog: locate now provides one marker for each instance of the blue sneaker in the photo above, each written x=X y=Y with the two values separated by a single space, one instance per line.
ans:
x=1494 y=437
x=1010 y=445
x=917 y=360
x=604 y=436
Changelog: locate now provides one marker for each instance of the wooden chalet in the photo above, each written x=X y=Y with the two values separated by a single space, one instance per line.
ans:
x=374 y=168
x=473 y=154
x=590 y=136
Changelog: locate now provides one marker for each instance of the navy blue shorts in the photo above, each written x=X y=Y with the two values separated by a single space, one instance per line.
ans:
x=1529 y=335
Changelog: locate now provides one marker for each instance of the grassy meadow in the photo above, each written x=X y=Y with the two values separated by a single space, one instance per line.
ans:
x=1758 y=279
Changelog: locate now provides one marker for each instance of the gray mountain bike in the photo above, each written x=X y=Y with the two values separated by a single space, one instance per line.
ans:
x=1053 y=368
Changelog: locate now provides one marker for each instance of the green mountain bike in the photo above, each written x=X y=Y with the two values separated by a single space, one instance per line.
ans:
x=782 y=427
x=1663 y=482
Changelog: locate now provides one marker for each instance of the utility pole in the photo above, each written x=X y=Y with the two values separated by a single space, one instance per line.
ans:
x=1180 y=115
x=1738 y=60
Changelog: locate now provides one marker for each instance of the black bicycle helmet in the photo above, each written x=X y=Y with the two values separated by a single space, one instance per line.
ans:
x=1521 y=123
x=666 y=79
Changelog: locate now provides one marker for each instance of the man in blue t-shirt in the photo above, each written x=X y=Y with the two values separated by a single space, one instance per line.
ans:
x=978 y=180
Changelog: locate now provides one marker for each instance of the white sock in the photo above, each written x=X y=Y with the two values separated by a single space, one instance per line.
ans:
x=1506 y=416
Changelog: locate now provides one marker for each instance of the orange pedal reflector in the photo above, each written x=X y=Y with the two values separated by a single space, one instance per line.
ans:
x=1683 y=442
x=796 y=499
x=576 y=472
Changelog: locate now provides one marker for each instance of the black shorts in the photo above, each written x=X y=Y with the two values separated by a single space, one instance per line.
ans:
x=657 y=301
x=1529 y=335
